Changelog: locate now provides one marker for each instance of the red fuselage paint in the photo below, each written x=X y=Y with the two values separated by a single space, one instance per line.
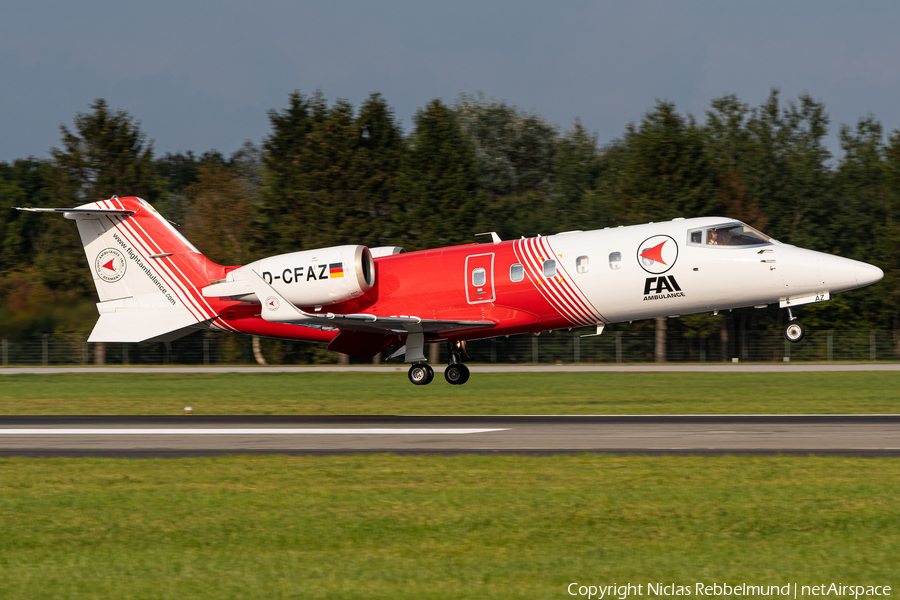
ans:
x=431 y=284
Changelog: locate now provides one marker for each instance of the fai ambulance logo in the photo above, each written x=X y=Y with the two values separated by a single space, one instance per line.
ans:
x=657 y=254
x=272 y=303
x=110 y=265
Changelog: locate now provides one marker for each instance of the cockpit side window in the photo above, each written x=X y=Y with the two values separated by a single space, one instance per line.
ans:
x=696 y=236
x=736 y=234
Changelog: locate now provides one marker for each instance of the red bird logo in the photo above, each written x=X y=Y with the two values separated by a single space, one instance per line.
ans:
x=655 y=253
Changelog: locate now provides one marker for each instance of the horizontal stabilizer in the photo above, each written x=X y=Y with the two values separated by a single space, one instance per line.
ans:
x=144 y=326
x=82 y=213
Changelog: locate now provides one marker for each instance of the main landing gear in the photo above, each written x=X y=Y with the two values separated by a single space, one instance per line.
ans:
x=795 y=331
x=456 y=373
x=421 y=374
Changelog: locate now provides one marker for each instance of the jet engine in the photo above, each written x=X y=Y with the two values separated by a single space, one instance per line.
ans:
x=307 y=278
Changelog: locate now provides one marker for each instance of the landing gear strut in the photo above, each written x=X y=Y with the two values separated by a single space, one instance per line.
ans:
x=421 y=374
x=456 y=372
x=795 y=331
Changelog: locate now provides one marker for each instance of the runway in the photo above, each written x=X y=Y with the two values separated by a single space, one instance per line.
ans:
x=607 y=368
x=175 y=436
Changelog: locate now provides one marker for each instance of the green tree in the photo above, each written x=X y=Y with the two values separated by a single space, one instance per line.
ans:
x=579 y=170
x=219 y=214
x=728 y=144
x=886 y=247
x=23 y=183
x=437 y=190
x=785 y=169
x=665 y=172
x=329 y=174
x=105 y=155
x=514 y=149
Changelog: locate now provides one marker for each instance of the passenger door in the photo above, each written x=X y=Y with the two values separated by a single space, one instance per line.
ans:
x=480 y=278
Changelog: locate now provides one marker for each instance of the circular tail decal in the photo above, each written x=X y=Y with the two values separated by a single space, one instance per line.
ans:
x=110 y=265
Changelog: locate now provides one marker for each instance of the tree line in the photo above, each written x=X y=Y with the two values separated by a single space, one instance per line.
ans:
x=332 y=173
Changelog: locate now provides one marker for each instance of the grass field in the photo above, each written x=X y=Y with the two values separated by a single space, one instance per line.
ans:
x=485 y=393
x=382 y=526
x=439 y=527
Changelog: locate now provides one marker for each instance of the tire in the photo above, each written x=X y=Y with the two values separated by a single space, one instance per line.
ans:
x=430 y=374
x=418 y=375
x=794 y=332
x=453 y=374
x=456 y=374
x=465 y=371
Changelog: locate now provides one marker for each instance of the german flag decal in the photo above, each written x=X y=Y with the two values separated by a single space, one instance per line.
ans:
x=336 y=270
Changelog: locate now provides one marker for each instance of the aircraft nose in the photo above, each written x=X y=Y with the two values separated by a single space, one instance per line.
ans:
x=867 y=274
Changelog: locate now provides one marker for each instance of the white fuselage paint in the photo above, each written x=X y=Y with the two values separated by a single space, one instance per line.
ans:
x=711 y=277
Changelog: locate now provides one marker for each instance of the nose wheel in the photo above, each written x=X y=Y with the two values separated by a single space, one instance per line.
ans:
x=421 y=374
x=795 y=331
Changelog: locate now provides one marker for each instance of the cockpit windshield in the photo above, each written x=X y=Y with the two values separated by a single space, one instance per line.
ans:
x=735 y=234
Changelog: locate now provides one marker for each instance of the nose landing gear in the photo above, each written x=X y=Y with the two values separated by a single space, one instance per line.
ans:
x=795 y=331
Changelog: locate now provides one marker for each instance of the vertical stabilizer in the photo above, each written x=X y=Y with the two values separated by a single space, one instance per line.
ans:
x=147 y=275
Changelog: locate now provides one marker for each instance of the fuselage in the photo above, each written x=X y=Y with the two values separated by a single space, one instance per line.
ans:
x=580 y=278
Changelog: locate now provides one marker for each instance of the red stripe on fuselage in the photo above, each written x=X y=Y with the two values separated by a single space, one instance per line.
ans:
x=527 y=255
x=539 y=255
x=159 y=231
x=573 y=291
x=117 y=224
x=147 y=245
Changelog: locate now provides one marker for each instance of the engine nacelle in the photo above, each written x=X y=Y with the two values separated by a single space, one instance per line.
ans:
x=308 y=278
x=318 y=277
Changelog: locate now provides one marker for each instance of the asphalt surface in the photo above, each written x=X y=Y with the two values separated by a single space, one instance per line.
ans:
x=617 y=368
x=172 y=436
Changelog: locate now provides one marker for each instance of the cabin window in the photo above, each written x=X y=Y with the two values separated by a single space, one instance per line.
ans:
x=697 y=236
x=615 y=261
x=478 y=277
x=582 y=264
x=549 y=268
x=736 y=234
x=516 y=272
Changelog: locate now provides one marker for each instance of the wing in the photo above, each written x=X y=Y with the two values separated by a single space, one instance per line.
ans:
x=277 y=309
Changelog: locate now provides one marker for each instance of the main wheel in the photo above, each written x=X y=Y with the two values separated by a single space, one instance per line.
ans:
x=794 y=332
x=420 y=374
x=456 y=374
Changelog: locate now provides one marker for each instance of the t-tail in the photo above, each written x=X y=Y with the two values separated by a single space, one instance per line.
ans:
x=148 y=276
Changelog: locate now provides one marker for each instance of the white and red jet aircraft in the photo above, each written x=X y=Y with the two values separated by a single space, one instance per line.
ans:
x=154 y=285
